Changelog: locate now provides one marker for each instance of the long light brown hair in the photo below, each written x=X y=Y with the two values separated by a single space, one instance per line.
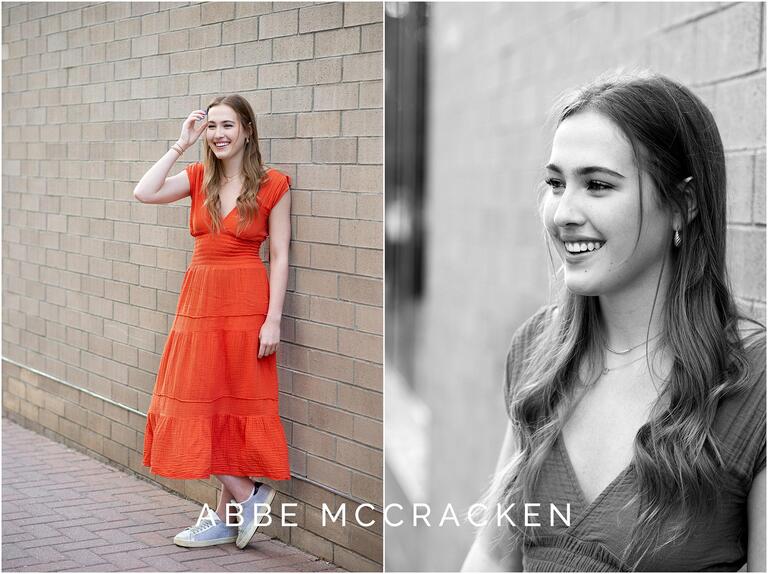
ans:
x=677 y=460
x=253 y=169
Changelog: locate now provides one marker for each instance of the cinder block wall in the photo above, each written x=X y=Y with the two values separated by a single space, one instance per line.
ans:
x=494 y=70
x=94 y=94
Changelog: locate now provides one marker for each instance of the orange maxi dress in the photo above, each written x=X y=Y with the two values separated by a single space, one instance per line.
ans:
x=214 y=409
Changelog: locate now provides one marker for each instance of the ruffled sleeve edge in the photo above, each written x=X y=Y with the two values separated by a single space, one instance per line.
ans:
x=519 y=348
x=193 y=172
x=755 y=444
x=279 y=188
x=757 y=355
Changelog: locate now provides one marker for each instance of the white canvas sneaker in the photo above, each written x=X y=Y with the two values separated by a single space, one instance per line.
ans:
x=262 y=496
x=207 y=533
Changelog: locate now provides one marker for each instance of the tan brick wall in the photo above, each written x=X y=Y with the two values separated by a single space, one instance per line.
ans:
x=494 y=71
x=93 y=96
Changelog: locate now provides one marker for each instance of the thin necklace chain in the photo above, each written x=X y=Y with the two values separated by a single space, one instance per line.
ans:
x=607 y=370
x=624 y=352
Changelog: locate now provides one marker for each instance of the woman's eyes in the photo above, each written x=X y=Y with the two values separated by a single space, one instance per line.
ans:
x=598 y=185
x=554 y=183
x=592 y=184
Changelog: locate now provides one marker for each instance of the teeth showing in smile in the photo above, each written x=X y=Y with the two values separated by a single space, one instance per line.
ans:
x=582 y=246
x=224 y=144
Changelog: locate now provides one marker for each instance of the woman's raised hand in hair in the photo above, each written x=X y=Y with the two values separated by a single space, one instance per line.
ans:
x=190 y=133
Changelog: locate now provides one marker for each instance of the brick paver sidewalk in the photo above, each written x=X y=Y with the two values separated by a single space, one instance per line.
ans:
x=63 y=510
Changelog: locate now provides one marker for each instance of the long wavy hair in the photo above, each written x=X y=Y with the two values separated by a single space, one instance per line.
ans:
x=677 y=460
x=253 y=170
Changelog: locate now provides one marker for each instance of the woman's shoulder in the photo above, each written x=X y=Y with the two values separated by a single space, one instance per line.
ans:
x=752 y=335
x=526 y=333
x=195 y=174
x=194 y=168
x=741 y=414
x=275 y=184
x=275 y=178
x=753 y=386
x=520 y=347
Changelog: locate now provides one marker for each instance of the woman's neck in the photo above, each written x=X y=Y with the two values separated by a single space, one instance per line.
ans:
x=231 y=166
x=631 y=316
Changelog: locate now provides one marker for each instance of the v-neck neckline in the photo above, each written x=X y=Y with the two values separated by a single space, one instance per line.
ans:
x=224 y=217
x=588 y=507
x=228 y=214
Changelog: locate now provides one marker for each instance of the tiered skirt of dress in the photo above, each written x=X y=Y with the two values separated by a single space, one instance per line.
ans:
x=214 y=409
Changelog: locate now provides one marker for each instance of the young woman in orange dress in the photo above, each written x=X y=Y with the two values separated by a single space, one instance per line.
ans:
x=214 y=409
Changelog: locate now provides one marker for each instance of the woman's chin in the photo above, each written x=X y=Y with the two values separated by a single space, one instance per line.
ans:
x=581 y=286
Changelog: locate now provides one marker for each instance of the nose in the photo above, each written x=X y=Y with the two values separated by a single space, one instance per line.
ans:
x=568 y=210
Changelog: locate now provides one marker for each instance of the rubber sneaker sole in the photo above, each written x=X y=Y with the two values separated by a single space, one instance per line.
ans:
x=244 y=537
x=200 y=543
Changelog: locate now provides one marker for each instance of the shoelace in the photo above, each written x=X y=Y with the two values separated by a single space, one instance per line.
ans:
x=204 y=525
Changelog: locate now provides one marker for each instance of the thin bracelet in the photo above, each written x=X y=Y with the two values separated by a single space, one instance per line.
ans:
x=178 y=149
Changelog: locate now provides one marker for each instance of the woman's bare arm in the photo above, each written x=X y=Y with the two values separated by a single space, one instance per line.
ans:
x=279 y=243
x=756 y=522
x=484 y=555
x=155 y=186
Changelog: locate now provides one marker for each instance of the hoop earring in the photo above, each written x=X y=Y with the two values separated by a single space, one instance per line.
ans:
x=677 y=239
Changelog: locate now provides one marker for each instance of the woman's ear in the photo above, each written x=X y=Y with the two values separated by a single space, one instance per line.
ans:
x=686 y=188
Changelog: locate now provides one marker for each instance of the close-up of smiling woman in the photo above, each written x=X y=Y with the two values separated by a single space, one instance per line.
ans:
x=214 y=408
x=636 y=403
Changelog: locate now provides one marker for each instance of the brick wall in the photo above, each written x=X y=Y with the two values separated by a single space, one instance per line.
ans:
x=494 y=71
x=94 y=94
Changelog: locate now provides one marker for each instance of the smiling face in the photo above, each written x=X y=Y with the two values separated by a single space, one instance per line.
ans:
x=224 y=126
x=592 y=209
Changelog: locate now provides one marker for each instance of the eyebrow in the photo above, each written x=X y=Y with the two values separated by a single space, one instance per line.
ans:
x=223 y=121
x=586 y=170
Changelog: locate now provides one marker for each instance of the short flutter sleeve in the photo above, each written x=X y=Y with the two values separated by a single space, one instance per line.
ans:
x=740 y=420
x=757 y=443
x=195 y=175
x=278 y=185
x=753 y=413
x=520 y=347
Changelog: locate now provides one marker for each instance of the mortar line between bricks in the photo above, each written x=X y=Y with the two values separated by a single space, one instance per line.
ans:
x=726 y=79
x=761 y=46
x=697 y=17
x=30 y=567
x=73 y=386
x=738 y=150
x=747 y=226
